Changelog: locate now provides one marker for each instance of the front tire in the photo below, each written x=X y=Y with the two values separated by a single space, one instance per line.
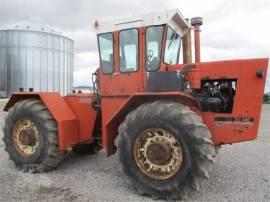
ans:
x=31 y=137
x=165 y=149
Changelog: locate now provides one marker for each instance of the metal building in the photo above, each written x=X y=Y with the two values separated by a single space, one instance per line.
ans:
x=35 y=56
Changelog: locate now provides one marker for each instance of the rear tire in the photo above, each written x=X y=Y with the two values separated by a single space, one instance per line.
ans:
x=187 y=132
x=31 y=137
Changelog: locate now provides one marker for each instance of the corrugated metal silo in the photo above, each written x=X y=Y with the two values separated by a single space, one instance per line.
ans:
x=33 y=55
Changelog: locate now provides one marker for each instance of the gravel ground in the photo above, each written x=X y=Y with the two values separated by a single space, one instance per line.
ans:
x=241 y=173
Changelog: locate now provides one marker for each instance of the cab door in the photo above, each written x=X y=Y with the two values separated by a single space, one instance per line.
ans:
x=121 y=62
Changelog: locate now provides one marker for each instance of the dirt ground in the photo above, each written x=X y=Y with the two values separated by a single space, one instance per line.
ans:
x=241 y=173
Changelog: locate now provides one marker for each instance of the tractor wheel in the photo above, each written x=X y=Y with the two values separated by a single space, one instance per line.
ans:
x=87 y=149
x=31 y=137
x=165 y=149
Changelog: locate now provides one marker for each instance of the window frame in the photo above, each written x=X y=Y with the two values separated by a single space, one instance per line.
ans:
x=162 y=46
x=100 y=62
x=138 y=60
x=179 y=48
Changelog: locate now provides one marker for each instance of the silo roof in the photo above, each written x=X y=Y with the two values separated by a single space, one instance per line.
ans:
x=31 y=25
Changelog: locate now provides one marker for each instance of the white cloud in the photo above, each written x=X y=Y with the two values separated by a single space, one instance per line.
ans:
x=82 y=77
x=84 y=40
x=87 y=60
x=85 y=64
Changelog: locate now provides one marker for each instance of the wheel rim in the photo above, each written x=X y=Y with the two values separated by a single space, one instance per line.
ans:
x=26 y=137
x=158 y=153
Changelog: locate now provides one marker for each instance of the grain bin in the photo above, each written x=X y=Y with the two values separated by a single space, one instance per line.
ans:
x=35 y=56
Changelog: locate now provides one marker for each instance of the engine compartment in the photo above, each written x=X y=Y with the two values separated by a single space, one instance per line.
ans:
x=217 y=95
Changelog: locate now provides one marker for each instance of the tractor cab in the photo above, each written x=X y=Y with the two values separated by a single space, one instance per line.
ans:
x=132 y=50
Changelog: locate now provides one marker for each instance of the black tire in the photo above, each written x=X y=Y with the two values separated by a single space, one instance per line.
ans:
x=189 y=130
x=87 y=149
x=47 y=156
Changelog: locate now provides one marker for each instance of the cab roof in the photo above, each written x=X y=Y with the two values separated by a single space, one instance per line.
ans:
x=173 y=18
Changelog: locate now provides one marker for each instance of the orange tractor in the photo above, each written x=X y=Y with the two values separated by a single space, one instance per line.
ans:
x=165 y=115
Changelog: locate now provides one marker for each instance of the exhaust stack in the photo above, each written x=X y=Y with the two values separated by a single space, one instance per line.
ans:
x=187 y=53
x=196 y=23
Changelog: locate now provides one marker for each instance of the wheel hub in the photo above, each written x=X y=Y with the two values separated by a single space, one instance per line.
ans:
x=26 y=137
x=158 y=153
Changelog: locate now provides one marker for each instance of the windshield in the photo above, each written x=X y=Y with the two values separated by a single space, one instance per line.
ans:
x=172 y=48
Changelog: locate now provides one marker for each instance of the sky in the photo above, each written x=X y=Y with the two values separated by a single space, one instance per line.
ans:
x=232 y=29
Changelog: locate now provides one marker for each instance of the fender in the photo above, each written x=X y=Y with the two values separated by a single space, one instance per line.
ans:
x=67 y=122
x=134 y=101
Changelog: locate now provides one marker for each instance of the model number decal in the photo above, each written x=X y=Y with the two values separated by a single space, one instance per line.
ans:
x=234 y=121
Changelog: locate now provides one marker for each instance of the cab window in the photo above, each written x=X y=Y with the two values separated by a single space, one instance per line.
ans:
x=106 y=52
x=128 y=50
x=172 y=48
x=153 y=47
